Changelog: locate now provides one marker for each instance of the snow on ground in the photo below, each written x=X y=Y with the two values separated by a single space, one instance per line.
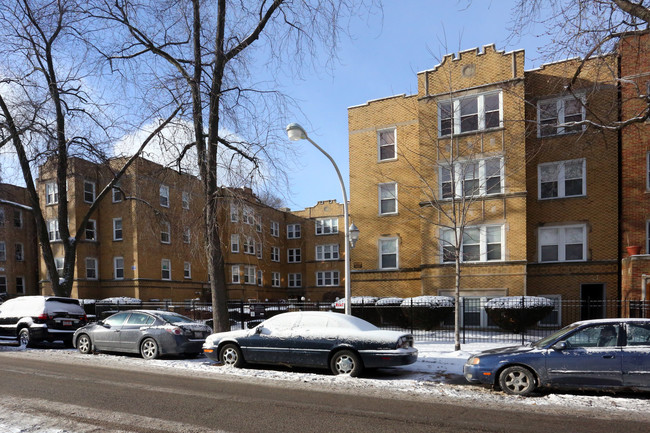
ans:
x=436 y=374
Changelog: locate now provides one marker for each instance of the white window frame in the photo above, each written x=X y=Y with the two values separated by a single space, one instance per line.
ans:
x=234 y=213
x=323 y=277
x=164 y=195
x=53 y=231
x=560 y=102
x=455 y=108
x=187 y=270
x=117 y=268
x=561 y=178
x=258 y=223
x=167 y=262
x=91 y=192
x=235 y=277
x=166 y=233
x=380 y=146
x=275 y=279
x=380 y=249
x=93 y=230
x=327 y=252
x=327 y=226
x=185 y=200
x=250 y=275
x=19 y=247
x=117 y=230
x=647 y=173
x=3 y=251
x=116 y=194
x=249 y=245
x=294 y=231
x=482 y=243
x=294 y=280
x=457 y=178
x=647 y=236
x=234 y=243
x=294 y=255
x=59 y=264
x=51 y=193
x=384 y=186
x=275 y=229
x=260 y=278
x=248 y=215
x=93 y=261
x=258 y=250
x=275 y=254
x=187 y=235
x=561 y=245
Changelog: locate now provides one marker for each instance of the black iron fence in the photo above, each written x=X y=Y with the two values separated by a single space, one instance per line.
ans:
x=479 y=320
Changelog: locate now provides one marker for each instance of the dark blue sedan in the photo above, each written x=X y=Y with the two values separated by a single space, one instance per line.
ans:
x=611 y=354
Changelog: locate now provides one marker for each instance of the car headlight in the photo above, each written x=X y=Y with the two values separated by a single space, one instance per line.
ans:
x=474 y=360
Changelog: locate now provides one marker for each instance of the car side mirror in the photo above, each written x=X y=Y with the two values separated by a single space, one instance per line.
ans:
x=560 y=345
x=258 y=330
x=104 y=324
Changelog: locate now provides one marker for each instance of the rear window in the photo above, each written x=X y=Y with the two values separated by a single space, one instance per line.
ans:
x=63 y=306
x=175 y=318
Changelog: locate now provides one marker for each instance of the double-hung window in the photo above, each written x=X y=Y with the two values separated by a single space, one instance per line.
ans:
x=555 y=116
x=117 y=194
x=275 y=229
x=469 y=114
x=249 y=245
x=388 y=253
x=166 y=269
x=59 y=263
x=275 y=254
x=234 y=243
x=471 y=178
x=187 y=270
x=53 y=230
x=185 y=200
x=20 y=285
x=91 y=268
x=165 y=233
x=234 y=213
x=275 y=279
x=91 y=230
x=260 y=278
x=478 y=244
x=563 y=243
x=249 y=274
x=3 y=251
x=118 y=268
x=117 y=229
x=293 y=255
x=234 y=274
x=562 y=179
x=295 y=280
x=386 y=145
x=51 y=193
x=187 y=235
x=293 y=231
x=248 y=217
x=3 y=284
x=327 y=278
x=327 y=252
x=20 y=252
x=89 y=191
x=327 y=226
x=387 y=198
x=164 y=196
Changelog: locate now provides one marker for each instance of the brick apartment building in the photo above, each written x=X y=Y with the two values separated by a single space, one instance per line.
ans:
x=144 y=240
x=18 y=255
x=488 y=146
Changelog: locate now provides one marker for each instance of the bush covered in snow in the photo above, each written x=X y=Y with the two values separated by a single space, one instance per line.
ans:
x=390 y=312
x=518 y=313
x=428 y=312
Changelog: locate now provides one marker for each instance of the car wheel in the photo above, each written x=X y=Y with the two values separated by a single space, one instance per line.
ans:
x=346 y=362
x=149 y=349
x=230 y=355
x=517 y=380
x=84 y=345
x=24 y=338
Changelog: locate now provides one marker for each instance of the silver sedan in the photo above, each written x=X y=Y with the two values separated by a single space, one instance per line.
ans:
x=148 y=332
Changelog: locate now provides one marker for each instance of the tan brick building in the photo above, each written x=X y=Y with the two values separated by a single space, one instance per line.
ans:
x=489 y=147
x=18 y=257
x=145 y=239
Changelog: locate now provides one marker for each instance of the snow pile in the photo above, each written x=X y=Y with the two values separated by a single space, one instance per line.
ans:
x=429 y=301
x=518 y=302
x=389 y=302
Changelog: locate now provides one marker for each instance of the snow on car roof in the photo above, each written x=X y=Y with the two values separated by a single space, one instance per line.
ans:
x=334 y=320
x=516 y=302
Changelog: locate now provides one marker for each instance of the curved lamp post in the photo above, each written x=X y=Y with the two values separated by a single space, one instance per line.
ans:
x=296 y=132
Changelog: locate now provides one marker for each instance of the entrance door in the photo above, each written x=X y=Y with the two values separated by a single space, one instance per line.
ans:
x=593 y=301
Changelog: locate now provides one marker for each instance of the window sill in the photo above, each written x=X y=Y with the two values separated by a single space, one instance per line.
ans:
x=381 y=161
x=563 y=197
x=561 y=134
x=468 y=133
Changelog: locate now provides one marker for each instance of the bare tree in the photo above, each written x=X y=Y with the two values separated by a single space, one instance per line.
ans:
x=49 y=113
x=209 y=48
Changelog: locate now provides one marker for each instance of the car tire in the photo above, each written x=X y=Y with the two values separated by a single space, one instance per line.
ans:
x=517 y=380
x=84 y=345
x=149 y=349
x=346 y=362
x=24 y=338
x=230 y=355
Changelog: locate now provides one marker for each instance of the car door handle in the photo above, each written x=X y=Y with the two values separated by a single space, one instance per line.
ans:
x=609 y=356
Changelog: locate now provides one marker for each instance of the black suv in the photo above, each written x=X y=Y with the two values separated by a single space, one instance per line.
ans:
x=32 y=319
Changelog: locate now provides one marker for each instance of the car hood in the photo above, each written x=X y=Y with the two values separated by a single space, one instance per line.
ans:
x=509 y=350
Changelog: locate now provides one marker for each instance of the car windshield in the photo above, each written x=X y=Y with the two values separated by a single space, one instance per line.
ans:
x=554 y=336
x=174 y=318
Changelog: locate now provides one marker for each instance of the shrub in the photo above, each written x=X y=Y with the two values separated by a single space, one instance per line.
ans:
x=427 y=312
x=518 y=313
x=390 y=312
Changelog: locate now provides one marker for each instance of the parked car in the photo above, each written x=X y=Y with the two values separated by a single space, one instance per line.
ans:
x=29 y=320
x=150 y=333
x=610 y=354
x=344 y=344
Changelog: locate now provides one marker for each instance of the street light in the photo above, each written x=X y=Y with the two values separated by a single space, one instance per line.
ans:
x=297 y=132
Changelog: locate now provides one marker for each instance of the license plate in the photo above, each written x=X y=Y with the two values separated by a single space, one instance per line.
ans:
x=67 y=323
x=198 y=335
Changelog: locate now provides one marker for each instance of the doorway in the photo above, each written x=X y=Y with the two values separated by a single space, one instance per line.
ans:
x=592 y=297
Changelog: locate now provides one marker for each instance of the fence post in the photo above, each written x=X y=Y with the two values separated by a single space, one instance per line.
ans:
x=241 y=313
x=411 y=316
x=462 y=312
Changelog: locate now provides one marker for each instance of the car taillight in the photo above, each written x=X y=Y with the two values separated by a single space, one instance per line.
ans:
x=175 y=330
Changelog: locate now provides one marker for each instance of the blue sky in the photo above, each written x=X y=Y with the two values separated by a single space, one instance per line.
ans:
x=382 y=60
